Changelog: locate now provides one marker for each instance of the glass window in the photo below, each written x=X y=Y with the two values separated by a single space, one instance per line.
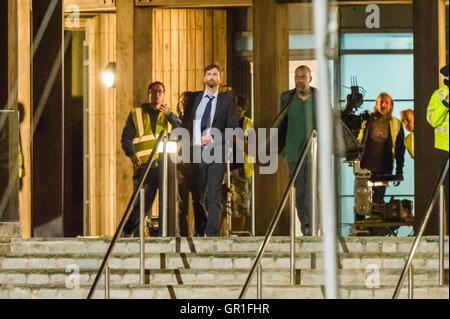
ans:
x=377 y=41
x=376 y=73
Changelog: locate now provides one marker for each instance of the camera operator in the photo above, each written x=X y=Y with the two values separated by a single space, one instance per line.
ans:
x=382 y=138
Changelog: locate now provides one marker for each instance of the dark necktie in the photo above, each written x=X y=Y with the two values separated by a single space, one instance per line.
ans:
x=206 y=114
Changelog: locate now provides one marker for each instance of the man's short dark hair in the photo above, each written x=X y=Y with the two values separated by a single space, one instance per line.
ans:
x=241 y=100
x=155 y=83
x=303 y=67
x=210 y=67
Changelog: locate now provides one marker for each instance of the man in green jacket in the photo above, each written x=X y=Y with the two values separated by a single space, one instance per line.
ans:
x=298 y=111
x=437 y=116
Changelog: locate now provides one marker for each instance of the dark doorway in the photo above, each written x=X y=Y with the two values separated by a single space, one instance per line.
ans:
x=73 y=135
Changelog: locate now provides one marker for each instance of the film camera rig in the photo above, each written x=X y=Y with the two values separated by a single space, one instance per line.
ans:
x=383 y=218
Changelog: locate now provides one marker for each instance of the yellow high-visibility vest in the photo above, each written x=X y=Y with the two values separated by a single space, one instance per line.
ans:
x=21 y=168
x=145 y=138
x=409 y=144
x=394 y=127
x=248 y=160
x=437 y=116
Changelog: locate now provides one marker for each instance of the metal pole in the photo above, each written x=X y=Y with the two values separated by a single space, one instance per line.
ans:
x=107 y=292
x=164 y=190
x=142 y=236
x=314 y=187
x=326 y=176
x=441 y=235
x=411 y=282
x=259 y=282
x=228 y=209
x=253 y=206
x=292 y=275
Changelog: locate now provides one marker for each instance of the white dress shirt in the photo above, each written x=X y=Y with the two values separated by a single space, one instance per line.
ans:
x=197 y=139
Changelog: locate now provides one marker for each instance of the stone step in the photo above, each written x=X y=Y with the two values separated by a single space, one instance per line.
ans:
x=5 y=245
x=223 y=244
x=230 y=260
x=10 y=229
x=213 y=292
x=308 y=277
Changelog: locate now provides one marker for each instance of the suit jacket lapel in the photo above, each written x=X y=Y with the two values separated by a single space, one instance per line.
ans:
x=218 y=109
x=198 y=99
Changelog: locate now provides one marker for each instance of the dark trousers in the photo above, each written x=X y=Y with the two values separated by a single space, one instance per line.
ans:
x=303 y=194
x=188 y=183
x=210 y=179
x=151 y=185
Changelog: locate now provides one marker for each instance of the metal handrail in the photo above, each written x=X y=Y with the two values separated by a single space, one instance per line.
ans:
x=277 y=215
x=421 y=230
x=127 y=214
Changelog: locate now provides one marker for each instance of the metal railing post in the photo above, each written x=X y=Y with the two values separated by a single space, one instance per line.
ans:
x=107 y=287
x=276 y=217
x=259 y=282
x=292 y=272
x=314 y=187
x=422 y=227
x=142 y=236
x=164 y=188
x=411 y=282
x=126 y=215
x=441 y=235
x=253 y=207
x=229 y=199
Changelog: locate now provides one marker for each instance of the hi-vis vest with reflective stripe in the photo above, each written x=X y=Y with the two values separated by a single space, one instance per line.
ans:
x=394 y=127
x=437 y=116
x=145 y=138
x=409 y=144
x=248 y=160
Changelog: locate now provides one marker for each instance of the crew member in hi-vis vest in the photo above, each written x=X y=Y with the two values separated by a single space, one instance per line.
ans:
x=142 y=128
x=382 y=137
x=437 y=117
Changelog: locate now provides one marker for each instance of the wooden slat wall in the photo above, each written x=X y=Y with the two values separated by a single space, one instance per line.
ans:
x=102 y=114
x=24 y=93
x=185 y=41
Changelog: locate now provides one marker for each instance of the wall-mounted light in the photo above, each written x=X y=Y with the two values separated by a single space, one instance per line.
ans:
x=109 y=75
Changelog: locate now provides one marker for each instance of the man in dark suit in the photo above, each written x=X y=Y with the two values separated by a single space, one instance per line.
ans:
x=213 y=112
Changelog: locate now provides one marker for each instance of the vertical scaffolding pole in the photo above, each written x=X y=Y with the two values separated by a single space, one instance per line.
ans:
x=326 y=185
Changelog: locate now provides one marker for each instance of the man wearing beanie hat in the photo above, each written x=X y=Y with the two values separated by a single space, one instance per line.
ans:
x=437 y=116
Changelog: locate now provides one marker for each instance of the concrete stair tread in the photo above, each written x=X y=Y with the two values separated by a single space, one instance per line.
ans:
x=182 y=271
x=433 y=238
x=214 y=267
x=302 y=254
x=203 y=285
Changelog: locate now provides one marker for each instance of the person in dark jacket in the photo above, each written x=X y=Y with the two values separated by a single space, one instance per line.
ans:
x=295 y=122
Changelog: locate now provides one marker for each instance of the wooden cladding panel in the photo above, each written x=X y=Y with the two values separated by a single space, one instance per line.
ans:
x=102 y=114
x=185 y=41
